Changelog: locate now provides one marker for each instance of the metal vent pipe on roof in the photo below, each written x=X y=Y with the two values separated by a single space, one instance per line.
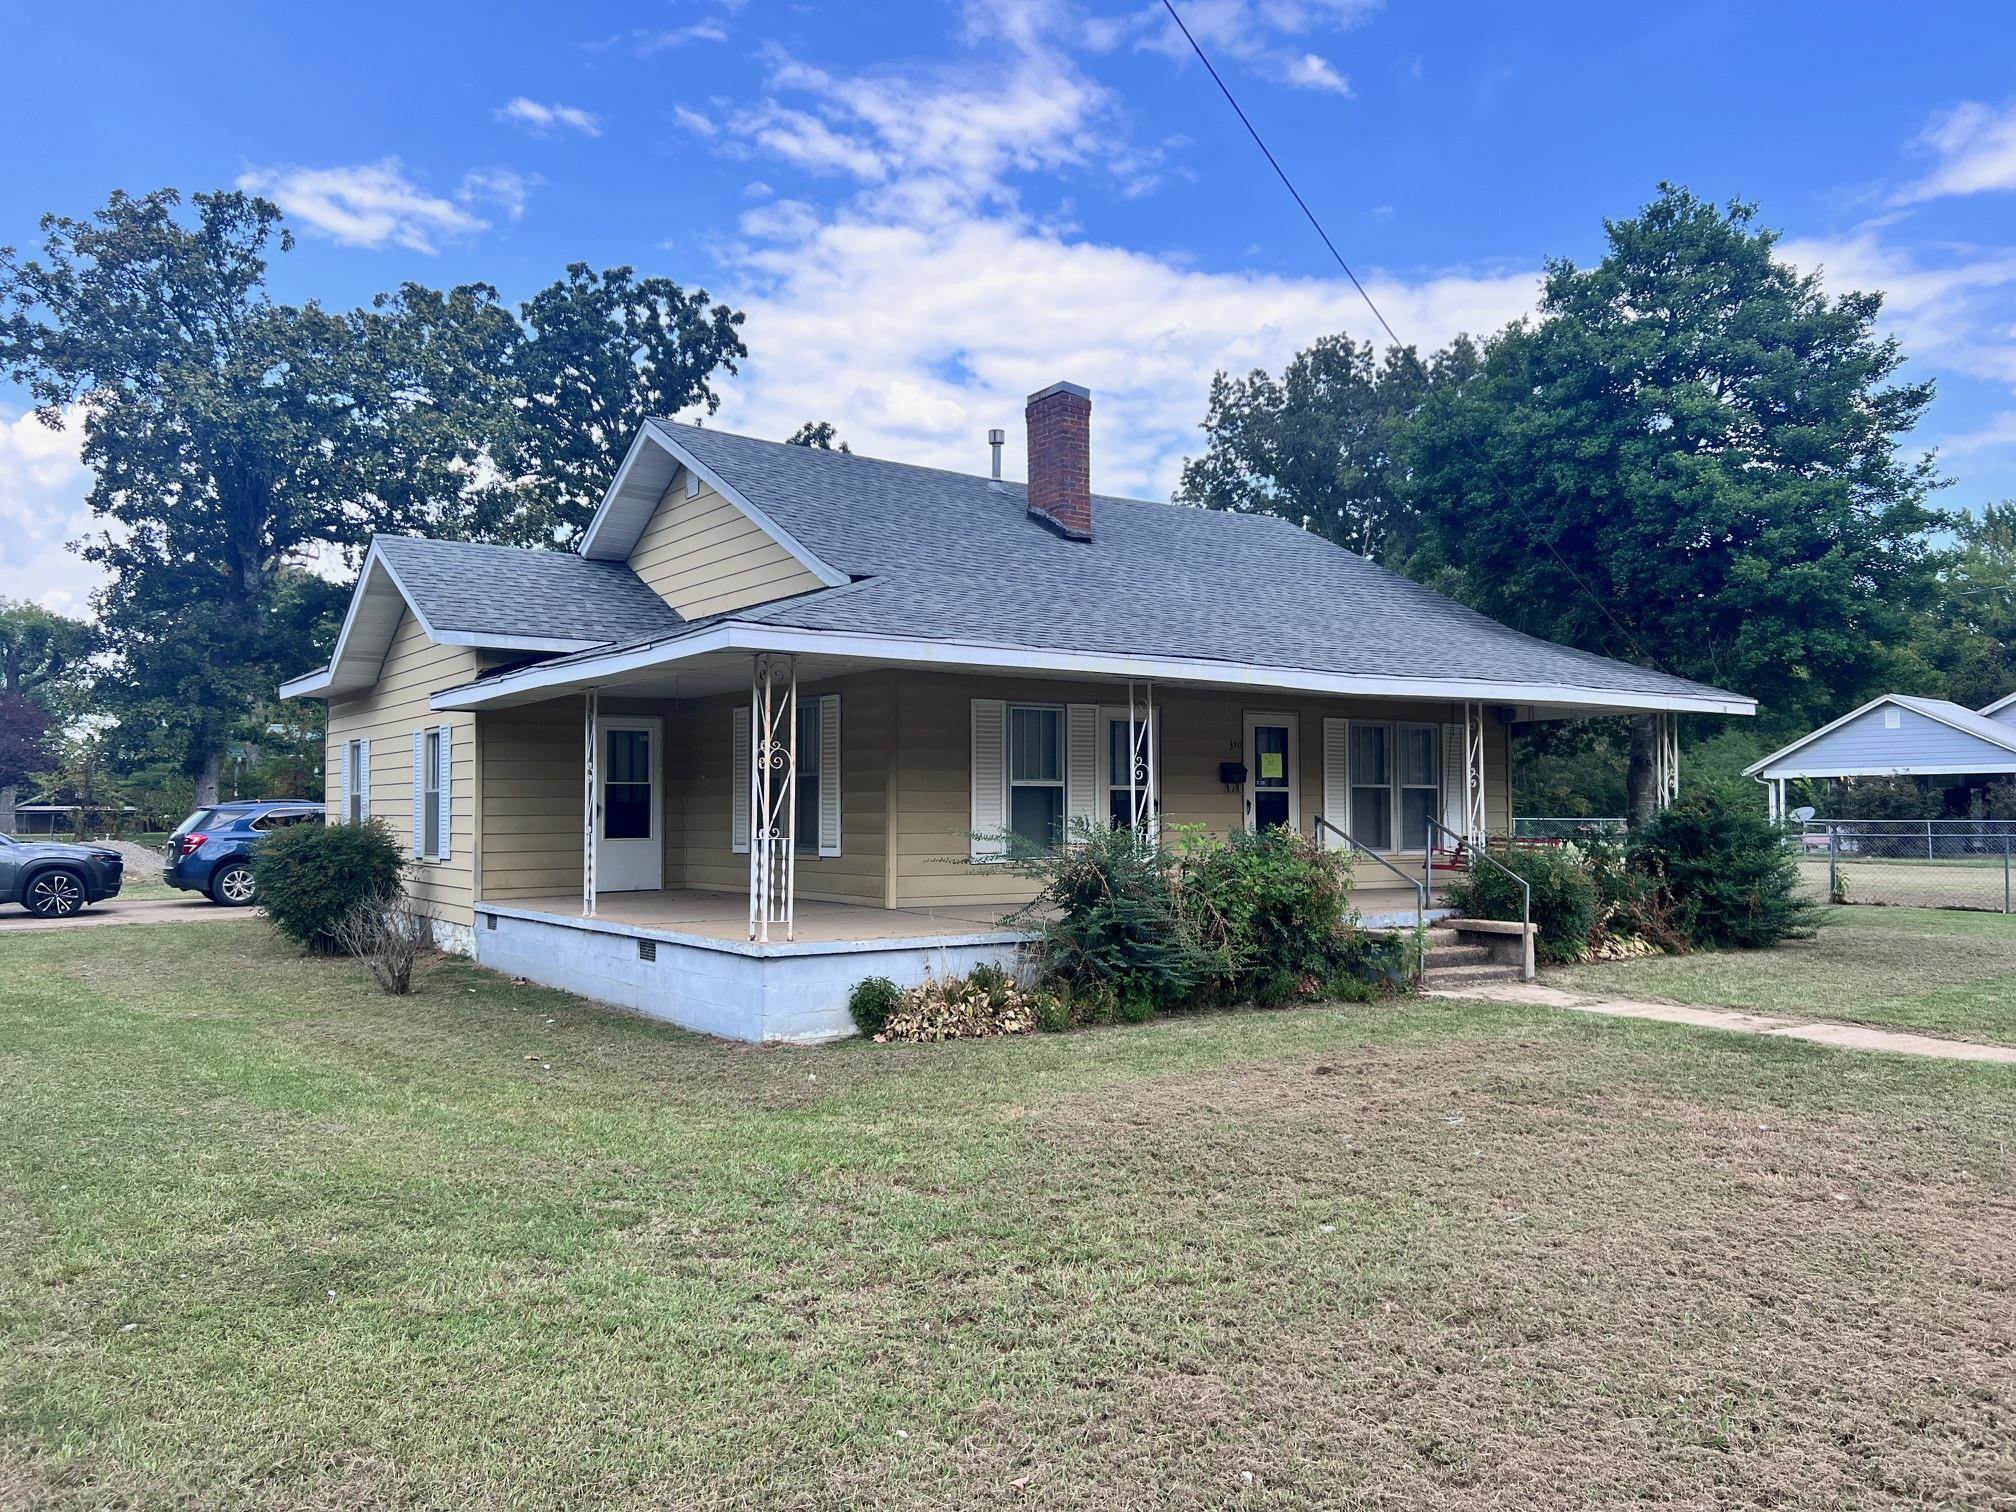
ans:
x=997 y=439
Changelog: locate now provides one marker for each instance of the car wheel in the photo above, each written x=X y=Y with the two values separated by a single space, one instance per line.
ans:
x=55 y=894
x=232 y=886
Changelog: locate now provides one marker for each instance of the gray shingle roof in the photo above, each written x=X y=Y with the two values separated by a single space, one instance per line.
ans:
x=955 y=557
x=515 y=592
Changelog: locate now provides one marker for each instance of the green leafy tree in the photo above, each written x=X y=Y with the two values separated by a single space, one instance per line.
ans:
x=44 y=657
x=1690 y=459
x=819 y=435
x=602 y=353
x=24 y=749
x=1966 y=641
x=1320 y=445
x=233 y=439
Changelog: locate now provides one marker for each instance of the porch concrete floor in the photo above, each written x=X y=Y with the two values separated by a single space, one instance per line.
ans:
x=725 y=916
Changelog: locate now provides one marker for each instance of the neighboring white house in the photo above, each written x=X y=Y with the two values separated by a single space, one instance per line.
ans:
x=1898 y=735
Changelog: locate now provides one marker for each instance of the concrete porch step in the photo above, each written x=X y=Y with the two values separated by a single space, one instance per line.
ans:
x=1442 y=957
x=1451 y=978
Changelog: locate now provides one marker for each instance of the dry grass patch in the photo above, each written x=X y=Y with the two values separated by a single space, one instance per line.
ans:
x=277 y=1240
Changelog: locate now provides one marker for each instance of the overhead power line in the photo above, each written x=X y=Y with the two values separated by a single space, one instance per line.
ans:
x=1273 y=163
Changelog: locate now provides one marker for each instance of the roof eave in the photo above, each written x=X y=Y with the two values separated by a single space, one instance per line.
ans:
x=745 y=635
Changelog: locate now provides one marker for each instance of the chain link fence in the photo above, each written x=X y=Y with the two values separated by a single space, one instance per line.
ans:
x=1910 y=863
x=1524 y=828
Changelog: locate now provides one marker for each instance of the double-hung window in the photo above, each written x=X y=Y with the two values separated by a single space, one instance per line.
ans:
x=1371 y=767
x=1036 y=774
x=1420 y=784
x=430 y=773
x=356 y=780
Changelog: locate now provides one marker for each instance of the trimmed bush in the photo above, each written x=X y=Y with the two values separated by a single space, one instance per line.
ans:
x=1108 y=920
x=1727 y=876
x=1271 y=910
x=871 y=1002
x=310 y=877
x=1564 y=898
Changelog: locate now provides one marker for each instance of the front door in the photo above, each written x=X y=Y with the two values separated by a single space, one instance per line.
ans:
x=1273 y=796
x=630 y=840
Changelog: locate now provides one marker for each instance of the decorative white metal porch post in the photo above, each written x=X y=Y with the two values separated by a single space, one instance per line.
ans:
x=1475 y=814
x=1141 y=761
x=773 y=796
x=1666 y=759
x=591 y=801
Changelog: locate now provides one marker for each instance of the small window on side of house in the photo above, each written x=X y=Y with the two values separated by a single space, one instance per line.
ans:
x=431 y=789
x=354 y=778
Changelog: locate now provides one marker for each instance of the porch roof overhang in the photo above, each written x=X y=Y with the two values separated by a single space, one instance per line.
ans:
x=377 y=602
x=714 y=659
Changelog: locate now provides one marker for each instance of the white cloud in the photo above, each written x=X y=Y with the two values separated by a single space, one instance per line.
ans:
x=694 y=121
x=915 y=339
x=1975 y=148
x=927 y=306
x=658 y=40
x=543 y=119
x=1262 y=35
x=365 y=205
x=43 y=485
x=1997 y=434
x=1313 y=71
x=1952 y=307
x=501 y=187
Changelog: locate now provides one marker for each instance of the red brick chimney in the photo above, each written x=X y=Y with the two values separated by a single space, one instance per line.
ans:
x=1060 y=459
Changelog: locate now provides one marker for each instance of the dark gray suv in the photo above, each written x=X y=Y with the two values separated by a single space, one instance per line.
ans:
x=54 y=880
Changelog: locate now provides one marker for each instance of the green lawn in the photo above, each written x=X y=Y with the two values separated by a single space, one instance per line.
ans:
x=1939 y=971
x=269 y=1239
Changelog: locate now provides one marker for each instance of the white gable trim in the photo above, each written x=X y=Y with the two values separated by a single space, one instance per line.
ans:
x=613 y=534
x=1991 y=710
x=741 y=635
x=1912 y=705
x=361 y=647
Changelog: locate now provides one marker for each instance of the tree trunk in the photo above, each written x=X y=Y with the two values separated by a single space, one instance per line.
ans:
x=207 y=780
x=1641 y=782
x=7 y=809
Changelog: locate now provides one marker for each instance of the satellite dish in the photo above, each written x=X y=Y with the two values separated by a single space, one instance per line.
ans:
x=1804 y=812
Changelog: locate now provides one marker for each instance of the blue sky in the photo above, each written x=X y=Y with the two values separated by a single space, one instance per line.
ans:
x=928 y=211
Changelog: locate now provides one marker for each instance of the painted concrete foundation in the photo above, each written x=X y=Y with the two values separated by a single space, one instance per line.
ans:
x=738 y=990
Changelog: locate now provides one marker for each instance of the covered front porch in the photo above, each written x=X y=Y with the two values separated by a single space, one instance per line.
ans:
x=687 y=837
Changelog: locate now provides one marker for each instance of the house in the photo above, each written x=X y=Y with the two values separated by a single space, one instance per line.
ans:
x=1949 y=746
x=762 y=734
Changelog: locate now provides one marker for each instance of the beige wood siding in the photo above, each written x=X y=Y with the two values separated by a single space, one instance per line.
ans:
x=703 y=555
x=933 y=773
x=415 y=668
x=859 y=874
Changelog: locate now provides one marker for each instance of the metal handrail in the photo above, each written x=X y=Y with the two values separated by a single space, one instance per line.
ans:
x=1479 y=853
x=1420 y=888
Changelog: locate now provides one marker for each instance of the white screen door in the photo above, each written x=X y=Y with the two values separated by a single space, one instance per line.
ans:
x=630 y=840
x=1273 y=788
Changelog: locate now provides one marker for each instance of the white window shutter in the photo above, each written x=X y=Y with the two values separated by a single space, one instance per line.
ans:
x=447 y=787
x=1083 y=801
x=829 y=774
x=364 y=780
x=990 y=778
x=1336 y=777
x=1454 y=758
x=738 y=783
x=419 y=792
x=335 y=788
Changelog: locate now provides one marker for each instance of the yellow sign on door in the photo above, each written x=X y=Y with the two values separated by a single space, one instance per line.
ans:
x=1273 y=765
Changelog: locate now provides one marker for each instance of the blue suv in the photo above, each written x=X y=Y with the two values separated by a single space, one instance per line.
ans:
x=211 y=851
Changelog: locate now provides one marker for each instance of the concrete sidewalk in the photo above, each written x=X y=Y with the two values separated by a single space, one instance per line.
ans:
x=1838 y=1036
x=192 y=908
